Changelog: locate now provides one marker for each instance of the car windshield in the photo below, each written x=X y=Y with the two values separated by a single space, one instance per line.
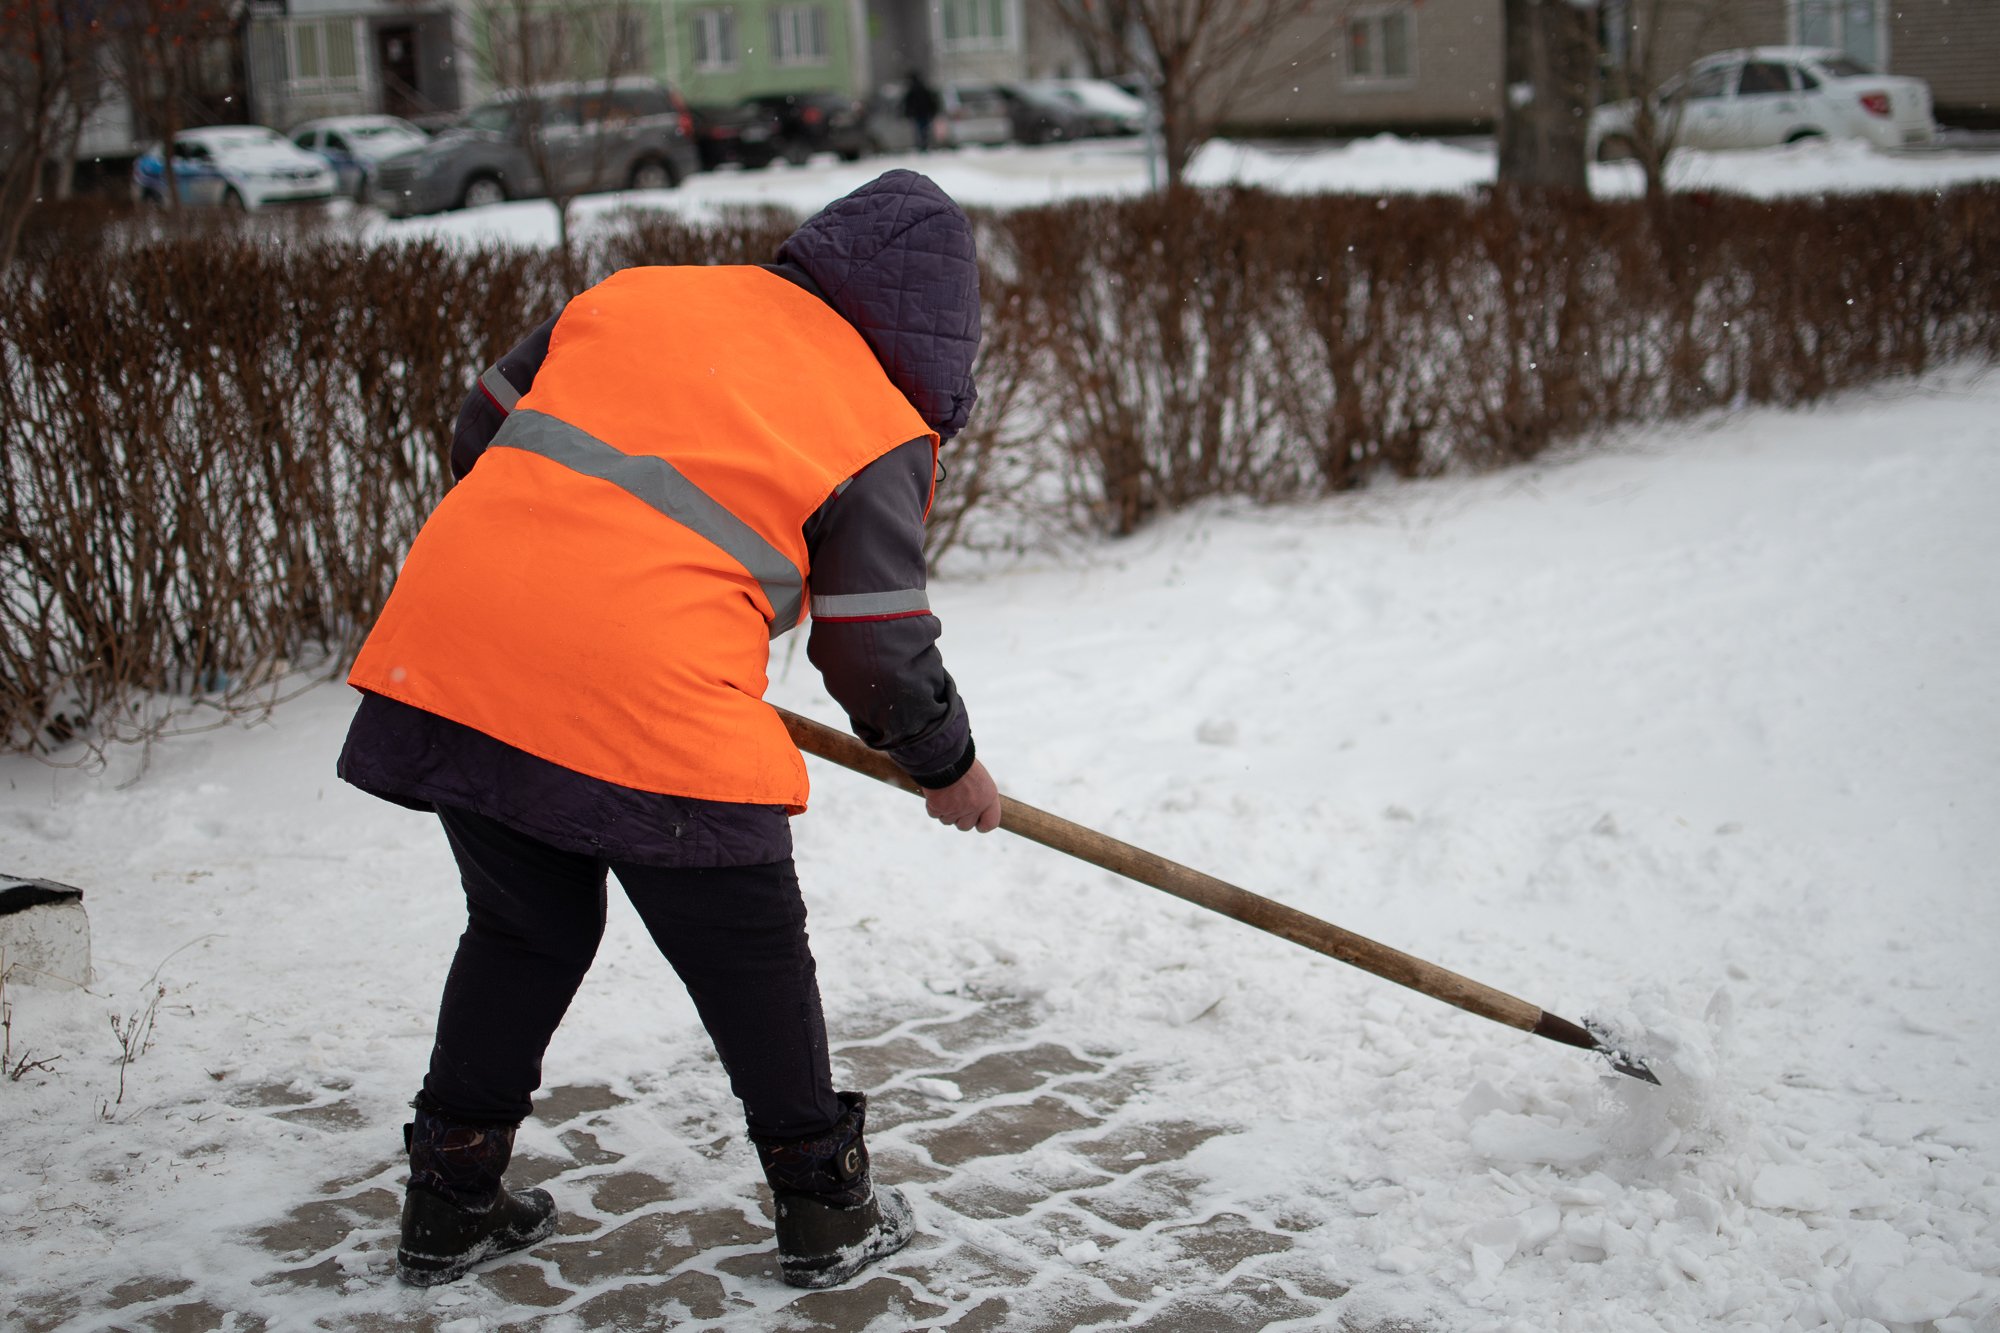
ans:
x=979 y=101
x=494 y=118
x=237 y=140
x=1040 y=97
x=1107 y=97
x=1845 y=67
x=384 y=133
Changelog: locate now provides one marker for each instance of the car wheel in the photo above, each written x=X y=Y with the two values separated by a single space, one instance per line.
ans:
x=652 y=174
x=1805 y=136
x=796 y=153
x=481 y=191
x=233 y=202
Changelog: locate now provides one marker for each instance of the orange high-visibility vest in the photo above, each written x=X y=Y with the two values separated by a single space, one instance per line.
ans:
x=602 y=588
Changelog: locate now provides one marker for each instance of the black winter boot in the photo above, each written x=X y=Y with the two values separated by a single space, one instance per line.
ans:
x=832 y=1221
x=455 y=1213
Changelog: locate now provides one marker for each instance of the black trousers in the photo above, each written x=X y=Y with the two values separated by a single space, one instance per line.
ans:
x=534 y=915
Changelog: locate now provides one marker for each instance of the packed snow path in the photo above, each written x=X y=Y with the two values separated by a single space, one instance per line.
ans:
x=1698 y=731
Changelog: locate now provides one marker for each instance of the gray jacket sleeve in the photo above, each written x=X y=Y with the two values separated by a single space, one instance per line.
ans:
x=873 y=637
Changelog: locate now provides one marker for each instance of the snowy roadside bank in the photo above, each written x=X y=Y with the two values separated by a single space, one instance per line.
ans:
x=1015 y=177
x=1697 y=731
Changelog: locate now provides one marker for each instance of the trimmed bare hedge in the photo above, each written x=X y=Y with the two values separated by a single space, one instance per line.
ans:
x=218 y=447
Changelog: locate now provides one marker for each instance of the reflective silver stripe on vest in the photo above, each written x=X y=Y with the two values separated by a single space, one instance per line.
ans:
x=499 y=389
x=661 y=485
x=871 y=605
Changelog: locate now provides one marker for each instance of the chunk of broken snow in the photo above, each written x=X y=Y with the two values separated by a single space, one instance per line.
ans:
x=1538 y=1226
x=942 y=1089
x=1794 y=1188
x=1369 y=1202
x=1401 y=1259
x=1483 y=1098
x=1501 y=1136
x=1487 y=1263
x=1082 y=1252
x=1919 y=1292
x=1902 y=1122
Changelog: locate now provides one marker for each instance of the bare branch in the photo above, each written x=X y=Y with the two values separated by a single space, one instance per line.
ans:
x=1194 y=55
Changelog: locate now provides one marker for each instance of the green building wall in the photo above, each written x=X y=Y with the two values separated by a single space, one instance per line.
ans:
x=756 y=70
x=670 y=28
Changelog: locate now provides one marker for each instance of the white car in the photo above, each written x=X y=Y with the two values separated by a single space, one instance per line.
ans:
x=354 y=146
x=233 y=166
x=1773 y=95
x=1107 y=108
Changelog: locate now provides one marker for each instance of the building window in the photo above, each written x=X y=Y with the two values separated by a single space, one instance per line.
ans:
x=325 y=55
x=798 y=35
x=714 y=39
x=974 y=25
x=1858 y=27
x=1381 y=45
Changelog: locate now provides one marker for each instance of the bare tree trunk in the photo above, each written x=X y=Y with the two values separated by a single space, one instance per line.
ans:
x=1551 y=50
x=65 y=182
x=17 y=197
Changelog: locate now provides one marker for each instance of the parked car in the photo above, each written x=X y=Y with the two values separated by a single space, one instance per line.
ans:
x=817 y=122
x=436 y=122
x=1038 y=115
x=974 y=113
x=743 y=133
x=633 y=133
x=1107 y=108
x=354 y=146
x=1772 y=95
x=232 y=166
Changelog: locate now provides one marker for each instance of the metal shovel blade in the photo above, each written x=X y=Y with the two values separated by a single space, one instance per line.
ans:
x=1598 y=1040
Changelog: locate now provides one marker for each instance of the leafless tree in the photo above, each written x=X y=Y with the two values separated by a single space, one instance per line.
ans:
x=558 y=65
x=167 y=56
x=1194 y=53
x=1640 y=45
x=48 y=56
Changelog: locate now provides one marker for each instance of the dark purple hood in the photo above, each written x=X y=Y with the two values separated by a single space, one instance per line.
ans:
x=895 y=258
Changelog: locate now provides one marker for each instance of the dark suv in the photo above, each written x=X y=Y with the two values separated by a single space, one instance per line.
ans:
x=628 y=133
x=811 y=123
x=741 y=132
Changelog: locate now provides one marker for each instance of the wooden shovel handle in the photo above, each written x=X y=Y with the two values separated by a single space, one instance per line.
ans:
x=1251 y=909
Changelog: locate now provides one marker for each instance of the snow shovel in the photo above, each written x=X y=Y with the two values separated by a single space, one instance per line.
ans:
x=1240 y=904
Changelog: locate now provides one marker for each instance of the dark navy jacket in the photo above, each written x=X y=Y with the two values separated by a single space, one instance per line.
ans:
x=894 y=258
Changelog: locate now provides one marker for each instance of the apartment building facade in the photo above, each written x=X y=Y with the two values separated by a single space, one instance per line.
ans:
x=1352 y=66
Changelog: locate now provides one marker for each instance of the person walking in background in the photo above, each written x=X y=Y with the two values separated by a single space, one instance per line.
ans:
x=921 y=105
x=570 y=674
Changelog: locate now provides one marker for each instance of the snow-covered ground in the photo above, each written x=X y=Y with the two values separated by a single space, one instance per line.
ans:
x=1698 y=732
x=1015 y=176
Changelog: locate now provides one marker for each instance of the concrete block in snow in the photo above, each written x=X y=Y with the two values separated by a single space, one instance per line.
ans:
x=44 y=933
